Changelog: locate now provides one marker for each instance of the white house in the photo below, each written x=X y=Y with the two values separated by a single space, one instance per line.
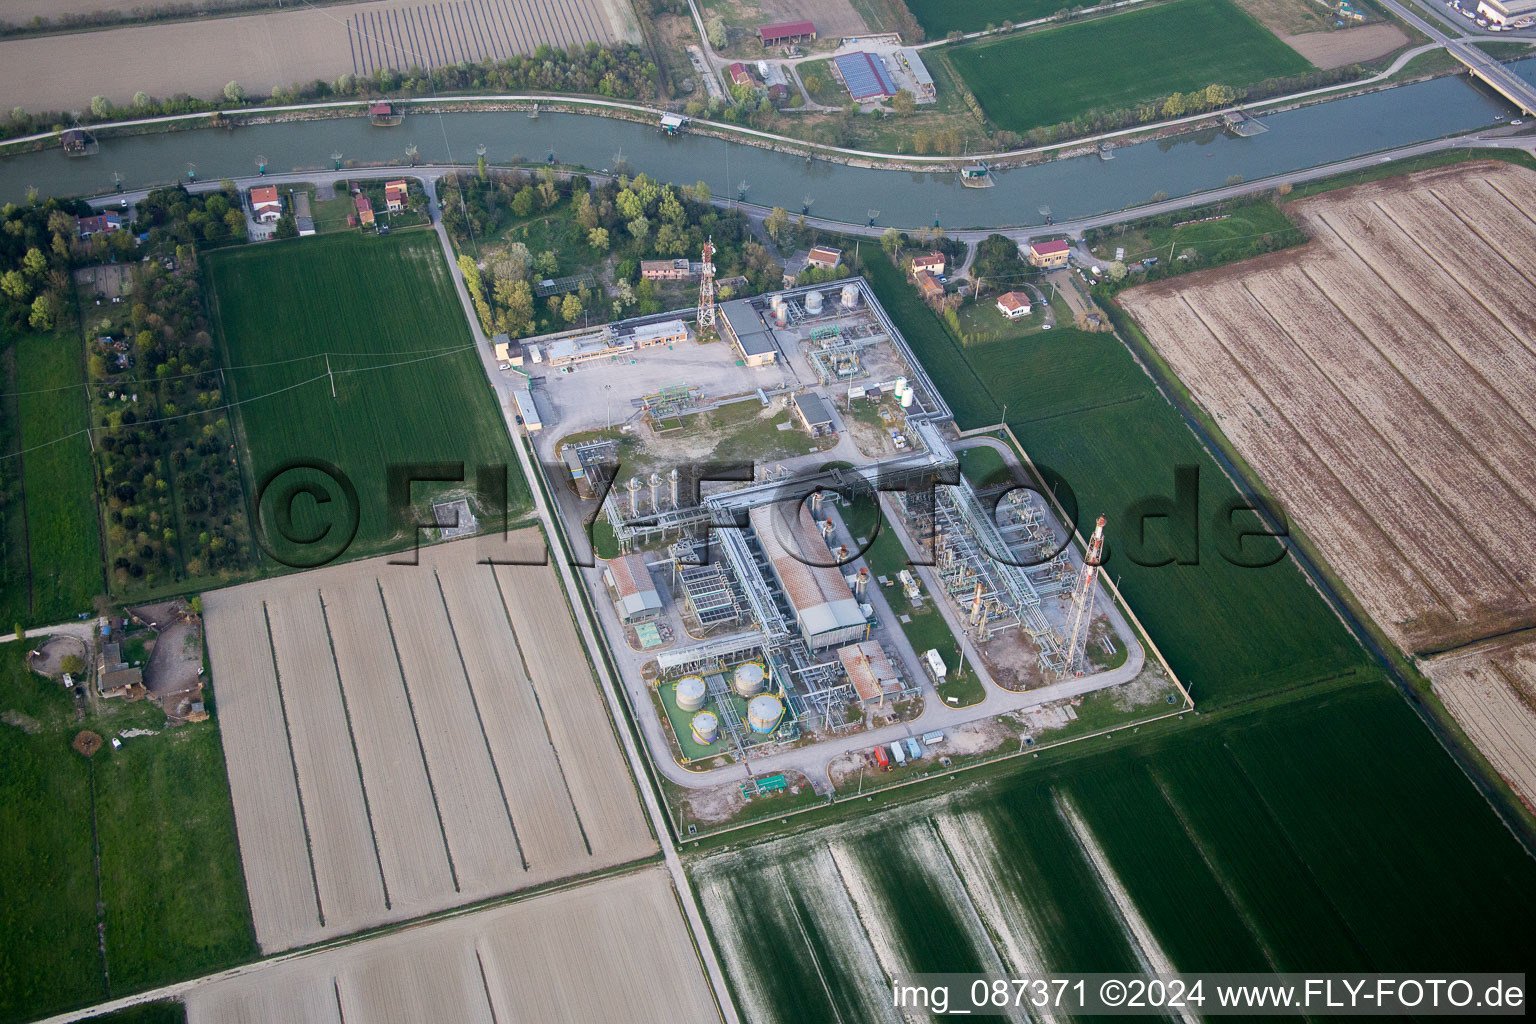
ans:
x=1013 y=305
x=266 y=206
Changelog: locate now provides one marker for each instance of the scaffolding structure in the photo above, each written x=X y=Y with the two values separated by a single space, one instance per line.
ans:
x=671 y=401
x=706 y=311
x=711 y=593
x=1076 y=660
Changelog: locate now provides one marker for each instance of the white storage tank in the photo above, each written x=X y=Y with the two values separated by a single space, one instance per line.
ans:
x=813 y=302
x=850 y=296
x=776 y=302
x=706 y=727
x=906 y=398
x=900 y=386
x=750 y=678
x=764 y=712
x=690 y=693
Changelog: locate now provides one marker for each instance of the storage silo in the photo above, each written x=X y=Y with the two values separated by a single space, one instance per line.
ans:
x=813 y=302
x=690 y=693
x=764 y=712
x=850 y=296
x=706 y=727
x=750 y=678
x=906 y=398
x=776 y=303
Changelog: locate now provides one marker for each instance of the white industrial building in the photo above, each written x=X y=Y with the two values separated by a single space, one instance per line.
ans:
x=634 y=592
x=824 y=607
x=1506 y=12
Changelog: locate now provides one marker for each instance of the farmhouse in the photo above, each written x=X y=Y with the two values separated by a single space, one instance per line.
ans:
x=1051 y=254
x=668 y=332
x=266 y=206
x=1013 y=305
x=634 y=592
x=928 y=286
x=933 y=262
x=824 y=257
x=870 y=671
x=824 y=607
x=813 y=413
x=786 y=32
x=740 y=75
x=745 y=329
x=795 y=266
x=364 y=209
x=107 y=220
x=396 y=194
x=864 y=76
x=666 y=270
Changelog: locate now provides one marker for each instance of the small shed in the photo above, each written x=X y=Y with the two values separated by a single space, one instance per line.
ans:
x=813 y=413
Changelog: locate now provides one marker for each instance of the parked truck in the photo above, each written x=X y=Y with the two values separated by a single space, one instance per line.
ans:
x=882 y=759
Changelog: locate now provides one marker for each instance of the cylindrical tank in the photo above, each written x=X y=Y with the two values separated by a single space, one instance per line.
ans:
x=780 y=317
x=706 y=727
x=776 y=302
x=850 y=295
x=906 y=398
x=764 y=712
x=690 y=693
x=750 y=678
x=901 y=385
x=813 y=302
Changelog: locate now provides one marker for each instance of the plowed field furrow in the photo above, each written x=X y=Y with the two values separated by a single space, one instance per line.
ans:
x=440 y=982
x=405 y=819
x=340 y=833
x=512 y=721
x=1306 y=486
x=1522 y=205
x=474 y=816
x=268 y=822
x=304 y=997
x=578 y=723
x=1488 y=689
x=1398 y=502
x=1452 y=473
x=1505 y=231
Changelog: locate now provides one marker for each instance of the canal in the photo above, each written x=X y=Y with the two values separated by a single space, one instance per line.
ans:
x=1066 y=188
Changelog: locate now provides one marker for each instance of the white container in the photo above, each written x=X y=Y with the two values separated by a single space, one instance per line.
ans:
x=750 y=678
x=763 y=713
x=706 y=727
x=813 y=302
x=690 y=693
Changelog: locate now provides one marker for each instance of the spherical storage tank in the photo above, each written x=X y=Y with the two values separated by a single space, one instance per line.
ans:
x=749 y=678
x=850 y=295
x=813 y=302
x=764 y=712
x=690 y=693
x=706 y=727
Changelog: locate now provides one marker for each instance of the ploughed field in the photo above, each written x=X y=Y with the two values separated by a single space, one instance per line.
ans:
x=615 y=949
x=401 y=739
x=1380 y=382
x=1208 y=850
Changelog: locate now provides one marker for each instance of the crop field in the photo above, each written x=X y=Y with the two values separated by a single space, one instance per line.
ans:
x=612 y=949
x=1378 y=384
x=1207 y=850
x=405 y=738
x=264 y=51
x=1491 y=689
x=378 y=320
x=1229 y=632
x=941 y=17
x=1121 y=62
x=173 y=904
x=51 y=560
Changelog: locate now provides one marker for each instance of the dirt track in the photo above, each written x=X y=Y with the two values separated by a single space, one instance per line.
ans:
x=611 y=950
x=1380 y=381
x=432 y=769
x=264 y=51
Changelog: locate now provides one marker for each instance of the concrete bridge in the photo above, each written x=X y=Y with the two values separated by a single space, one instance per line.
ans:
x=1498 y=77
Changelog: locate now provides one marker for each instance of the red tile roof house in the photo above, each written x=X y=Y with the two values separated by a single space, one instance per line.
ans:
x=739 y=74
x=266 y=207
x=929 y=285
x=825 y=257
x=1049 y=254
x=786 y=32
x=364 y=208
x=395 y=194
x=108 y=220
x=1013 y=305
x=932 y=262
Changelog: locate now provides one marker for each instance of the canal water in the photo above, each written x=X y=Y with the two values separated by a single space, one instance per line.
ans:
x=1065 y=189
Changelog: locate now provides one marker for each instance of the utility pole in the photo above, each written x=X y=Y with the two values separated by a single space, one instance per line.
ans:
x=329 y=374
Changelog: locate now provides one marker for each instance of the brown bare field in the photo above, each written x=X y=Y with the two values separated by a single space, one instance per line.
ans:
x=448 y=747
x=615 y=949
x=264 y=51
x=1380 y=381
x=1348 y=45
x=1491 y=689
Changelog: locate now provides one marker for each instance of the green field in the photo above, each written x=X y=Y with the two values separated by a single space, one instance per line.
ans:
x=171 y=884
x=409 y=388
x=1328 y=834
x=1121 y=62
x=941 y=17
x=1242 y=230
x=50 y=507
x=1085 y=410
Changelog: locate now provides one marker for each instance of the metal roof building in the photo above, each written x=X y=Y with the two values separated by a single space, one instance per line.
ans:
x=635 y=595
x=748 y=332
x=870 y=671
x=864 y=75
x=914 y=62
x=825 y=609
